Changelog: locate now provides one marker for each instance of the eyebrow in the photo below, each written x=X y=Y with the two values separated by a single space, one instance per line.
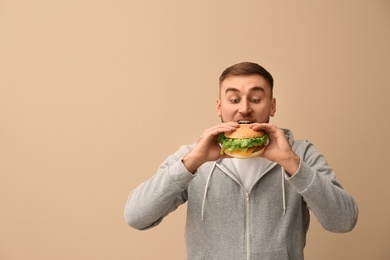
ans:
x=253 y=89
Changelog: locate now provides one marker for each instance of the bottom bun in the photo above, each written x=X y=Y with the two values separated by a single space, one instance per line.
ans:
x=240 y=155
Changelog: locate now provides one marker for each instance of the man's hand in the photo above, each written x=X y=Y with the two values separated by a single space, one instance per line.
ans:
x=207 y=147
x=278 y=150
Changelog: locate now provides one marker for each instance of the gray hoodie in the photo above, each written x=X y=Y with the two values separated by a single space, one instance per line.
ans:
x=224 y=221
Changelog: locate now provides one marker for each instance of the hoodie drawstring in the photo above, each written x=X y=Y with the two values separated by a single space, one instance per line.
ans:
x=283 y=192
x=206 y=188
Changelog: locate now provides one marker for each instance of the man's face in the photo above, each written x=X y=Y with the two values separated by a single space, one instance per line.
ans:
x=246 y=98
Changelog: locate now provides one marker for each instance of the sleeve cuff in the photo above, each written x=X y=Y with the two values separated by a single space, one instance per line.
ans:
x=302 y=179
x=180 y=175
x=289 y=176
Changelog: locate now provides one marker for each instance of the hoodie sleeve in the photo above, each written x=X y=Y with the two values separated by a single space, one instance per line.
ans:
x=154 y=199
x=315 y=181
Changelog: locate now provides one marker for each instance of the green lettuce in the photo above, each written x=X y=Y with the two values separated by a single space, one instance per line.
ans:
x=230 y=144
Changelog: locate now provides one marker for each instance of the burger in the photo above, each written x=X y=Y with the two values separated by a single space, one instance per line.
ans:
x=243 y=142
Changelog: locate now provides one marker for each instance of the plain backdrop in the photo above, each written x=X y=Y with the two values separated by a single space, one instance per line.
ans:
x=95 y=94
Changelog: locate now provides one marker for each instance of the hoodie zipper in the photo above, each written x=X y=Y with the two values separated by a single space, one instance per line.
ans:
x=247 y=195
x=248 y=240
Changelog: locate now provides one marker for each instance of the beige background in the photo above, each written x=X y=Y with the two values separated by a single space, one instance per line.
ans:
x=95 y=94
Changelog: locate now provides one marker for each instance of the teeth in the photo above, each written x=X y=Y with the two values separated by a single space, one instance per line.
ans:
x=244 y=122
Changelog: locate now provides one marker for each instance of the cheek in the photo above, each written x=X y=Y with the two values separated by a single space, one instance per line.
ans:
x=226 y=108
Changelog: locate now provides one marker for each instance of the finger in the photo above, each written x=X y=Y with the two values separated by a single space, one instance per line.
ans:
x=264 y=127
x=222 y=128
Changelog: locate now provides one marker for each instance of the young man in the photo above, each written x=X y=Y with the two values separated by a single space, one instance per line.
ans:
x=256 y=208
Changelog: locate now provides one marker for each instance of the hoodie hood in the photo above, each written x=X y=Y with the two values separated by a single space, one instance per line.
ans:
x=289 y=136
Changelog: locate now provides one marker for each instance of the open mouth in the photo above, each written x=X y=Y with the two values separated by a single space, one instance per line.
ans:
x=245 y=122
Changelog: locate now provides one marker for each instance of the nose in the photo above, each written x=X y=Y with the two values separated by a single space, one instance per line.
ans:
x=244 y=107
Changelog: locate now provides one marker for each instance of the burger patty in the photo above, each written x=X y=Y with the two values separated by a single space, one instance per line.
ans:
x=258 y=148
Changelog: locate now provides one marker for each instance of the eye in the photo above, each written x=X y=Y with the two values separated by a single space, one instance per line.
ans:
x=255 y=100
x=234 y=100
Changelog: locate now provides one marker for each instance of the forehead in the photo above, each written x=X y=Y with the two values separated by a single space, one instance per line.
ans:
x=245 y=84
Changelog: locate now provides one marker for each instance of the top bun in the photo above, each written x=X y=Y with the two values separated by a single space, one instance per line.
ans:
x=244 y=132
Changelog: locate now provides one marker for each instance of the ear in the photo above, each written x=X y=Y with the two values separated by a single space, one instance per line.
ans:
x=218 y=107
x=272 y=109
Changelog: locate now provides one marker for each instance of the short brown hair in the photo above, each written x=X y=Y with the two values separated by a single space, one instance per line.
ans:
x=247 y=68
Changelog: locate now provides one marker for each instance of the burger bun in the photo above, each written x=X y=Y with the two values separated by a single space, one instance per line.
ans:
x=244 y=131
